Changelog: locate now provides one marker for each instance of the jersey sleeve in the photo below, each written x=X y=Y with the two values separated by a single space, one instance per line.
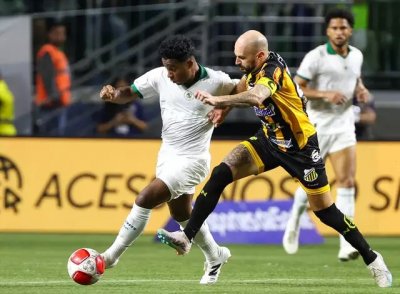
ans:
x=308 y=66
x=361 y=62
x=271 y=76
x=146 y=86
x=228 y=84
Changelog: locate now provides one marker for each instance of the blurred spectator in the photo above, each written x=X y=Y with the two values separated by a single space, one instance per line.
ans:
x=365 y=116
x=114 y=27
x=302 y=31
x=7 y=127
x=121 y=120
x=53 y=80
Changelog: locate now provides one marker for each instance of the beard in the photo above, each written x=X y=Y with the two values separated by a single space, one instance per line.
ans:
x=340 y=43
x=246 y=70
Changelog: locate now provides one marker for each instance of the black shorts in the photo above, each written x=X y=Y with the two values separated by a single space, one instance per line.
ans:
x=306 y=165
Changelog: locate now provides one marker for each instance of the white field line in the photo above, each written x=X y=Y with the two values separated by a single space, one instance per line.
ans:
x=155 y=281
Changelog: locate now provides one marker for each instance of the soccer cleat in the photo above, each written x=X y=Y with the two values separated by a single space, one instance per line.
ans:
x=348 y=253
x=176 y=240
x=212 y=269
x=108 y=262
x=290 y=240
x=380 y=272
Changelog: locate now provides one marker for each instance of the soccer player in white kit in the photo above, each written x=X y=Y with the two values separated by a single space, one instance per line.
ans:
x=184 y=158
x=329 y=76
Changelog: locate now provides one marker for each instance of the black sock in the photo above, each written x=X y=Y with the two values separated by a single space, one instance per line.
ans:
x=221 y=176
x=334 y=218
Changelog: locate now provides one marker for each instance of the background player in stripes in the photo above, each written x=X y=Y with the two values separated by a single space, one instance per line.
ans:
x=287 y=138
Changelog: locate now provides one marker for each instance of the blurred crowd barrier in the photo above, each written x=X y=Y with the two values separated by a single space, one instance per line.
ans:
x=88 y=185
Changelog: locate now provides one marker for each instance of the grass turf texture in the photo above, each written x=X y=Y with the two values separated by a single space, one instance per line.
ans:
x=36 y=263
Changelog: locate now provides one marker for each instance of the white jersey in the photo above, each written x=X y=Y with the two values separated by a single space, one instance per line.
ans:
x=186 y=128
x=327 y=71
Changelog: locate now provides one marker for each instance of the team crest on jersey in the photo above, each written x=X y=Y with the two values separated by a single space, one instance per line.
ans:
x=268 y=110
x=189 y=95
x=310 y=175
x=315 y=156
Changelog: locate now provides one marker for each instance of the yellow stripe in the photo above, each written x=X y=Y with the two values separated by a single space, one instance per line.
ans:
x=316 y=192
x=291 y=108
x=254 y=155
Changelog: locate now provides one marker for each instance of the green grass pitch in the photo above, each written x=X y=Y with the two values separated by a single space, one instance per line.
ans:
x=36 y=263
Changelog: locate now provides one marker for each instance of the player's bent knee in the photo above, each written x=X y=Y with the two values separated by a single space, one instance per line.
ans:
x=223 y=173
x=346 y=182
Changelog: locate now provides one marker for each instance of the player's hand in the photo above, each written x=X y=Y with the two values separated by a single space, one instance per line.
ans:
x=205 y=97
x=108 y=93
x=217 y=116
x=335 y=97
x=363 y=95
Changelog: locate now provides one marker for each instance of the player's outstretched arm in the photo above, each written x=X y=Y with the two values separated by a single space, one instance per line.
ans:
x=117 y=95
x=253 y=97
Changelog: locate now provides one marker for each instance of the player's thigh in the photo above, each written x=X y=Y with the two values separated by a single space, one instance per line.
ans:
x=155 y=193
x=182 y=173
x=180 y=208
x=343 y=157
x=241 y=162
x=250 y=157
x=307 y=166
x=320 y=201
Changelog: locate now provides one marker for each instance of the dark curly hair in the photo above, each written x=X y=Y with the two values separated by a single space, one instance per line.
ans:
x=339 y=13
x=178 y=47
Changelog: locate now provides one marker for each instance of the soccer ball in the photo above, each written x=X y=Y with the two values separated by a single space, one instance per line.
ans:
x=85 y=266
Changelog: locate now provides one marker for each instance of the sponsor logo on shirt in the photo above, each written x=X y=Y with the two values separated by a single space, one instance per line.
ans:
x=282 y=143
x=189 y=95
x=315 y=156
x=272 y=126
x=268 y=110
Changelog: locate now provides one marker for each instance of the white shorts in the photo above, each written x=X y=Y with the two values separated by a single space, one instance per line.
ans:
x=332 y=143
x=181 y=173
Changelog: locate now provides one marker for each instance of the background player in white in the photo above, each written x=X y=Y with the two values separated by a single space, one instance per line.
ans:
x=184 y=158
x=329 y=76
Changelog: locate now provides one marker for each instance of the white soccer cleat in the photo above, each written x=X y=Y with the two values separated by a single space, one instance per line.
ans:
x=348 y=253
x=380 y=272
x=108 y=262
x=290 y=239
x=176 y=240
x=212 y=269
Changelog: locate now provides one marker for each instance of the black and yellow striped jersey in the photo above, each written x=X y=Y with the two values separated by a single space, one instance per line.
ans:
x=283 y=115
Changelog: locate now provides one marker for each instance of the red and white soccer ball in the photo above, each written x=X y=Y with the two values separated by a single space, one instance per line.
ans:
x=85 y=266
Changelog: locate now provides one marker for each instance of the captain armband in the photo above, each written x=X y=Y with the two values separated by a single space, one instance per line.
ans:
x=267 y=82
